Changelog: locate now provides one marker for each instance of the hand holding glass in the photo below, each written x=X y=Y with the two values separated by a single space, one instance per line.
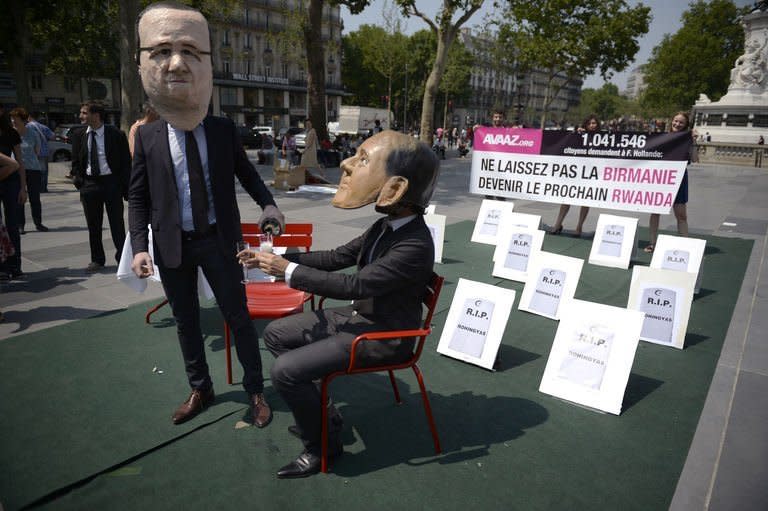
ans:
x=240 y=246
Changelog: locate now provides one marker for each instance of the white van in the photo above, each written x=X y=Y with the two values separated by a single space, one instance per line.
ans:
x=264 y=130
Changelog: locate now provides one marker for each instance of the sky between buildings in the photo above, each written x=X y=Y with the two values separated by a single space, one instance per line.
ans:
x=666 y=16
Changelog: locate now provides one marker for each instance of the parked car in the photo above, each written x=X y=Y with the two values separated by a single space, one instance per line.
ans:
x=59 y=151
x=264 y=130
x=63 y=132
x=249 y=138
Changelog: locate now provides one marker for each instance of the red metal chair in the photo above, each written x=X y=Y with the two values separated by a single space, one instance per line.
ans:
x=272 y=300
x=298 y=235
x=430 y=301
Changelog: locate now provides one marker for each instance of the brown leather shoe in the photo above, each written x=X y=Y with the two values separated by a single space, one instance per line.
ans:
x=261 y=413
x=197 y=401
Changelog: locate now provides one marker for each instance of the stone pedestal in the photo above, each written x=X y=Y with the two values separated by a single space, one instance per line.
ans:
x=742 y=114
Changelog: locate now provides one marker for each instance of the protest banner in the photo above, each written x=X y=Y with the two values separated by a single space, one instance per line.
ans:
x=592 y=355
x=638 y=172
x=475 y=323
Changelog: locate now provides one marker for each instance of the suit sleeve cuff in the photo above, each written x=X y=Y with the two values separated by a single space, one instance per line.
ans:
x=289 y=273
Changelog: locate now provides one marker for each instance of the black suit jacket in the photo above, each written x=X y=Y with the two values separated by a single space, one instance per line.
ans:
x=116 y=149
x=153 y=196
x=389 y=289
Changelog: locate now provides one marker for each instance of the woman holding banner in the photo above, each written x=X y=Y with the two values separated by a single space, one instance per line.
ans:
x=591 y=125
x=680 y=122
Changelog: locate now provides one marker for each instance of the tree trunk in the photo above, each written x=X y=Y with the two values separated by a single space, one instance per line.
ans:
x=444 y=40
x=16 y=58
x=131 y=92
x=313 y=42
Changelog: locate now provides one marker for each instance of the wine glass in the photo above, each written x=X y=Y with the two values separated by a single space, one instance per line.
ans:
x=240 y=246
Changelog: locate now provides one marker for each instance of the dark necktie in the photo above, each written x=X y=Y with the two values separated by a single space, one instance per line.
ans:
x=197 y=190
x=95 y=170
x=385 y=228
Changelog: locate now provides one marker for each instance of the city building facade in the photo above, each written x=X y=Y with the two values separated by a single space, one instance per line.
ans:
x=635 y=83
x=259 y=66
x=499 y=83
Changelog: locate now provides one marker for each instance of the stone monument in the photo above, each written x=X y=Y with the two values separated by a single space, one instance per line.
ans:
x=741 y=116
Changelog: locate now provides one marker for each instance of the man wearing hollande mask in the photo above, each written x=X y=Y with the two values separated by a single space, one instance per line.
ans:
x=182 y=184
x=394 y=259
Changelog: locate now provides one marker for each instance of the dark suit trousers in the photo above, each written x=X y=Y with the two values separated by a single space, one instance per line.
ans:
x=97 y=194
x=34 y=187
x=9 y=197
x=308 y=346
x=224 y=275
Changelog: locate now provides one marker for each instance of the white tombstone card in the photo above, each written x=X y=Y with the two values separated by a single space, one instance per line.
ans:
x=680 y=254
x=665 y=297
x=475 y=323
x=550 y=284
x=514 y=221
x=436 y=225
x=592 y=355
x=615 y=241
x=515 y=249
x=492 y=214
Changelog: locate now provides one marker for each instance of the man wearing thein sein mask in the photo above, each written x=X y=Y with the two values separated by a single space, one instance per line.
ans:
x=394 y=259
x=182 y=184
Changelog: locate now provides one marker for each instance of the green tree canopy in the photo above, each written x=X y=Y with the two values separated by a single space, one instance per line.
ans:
x=571 y=39
x=696 y=59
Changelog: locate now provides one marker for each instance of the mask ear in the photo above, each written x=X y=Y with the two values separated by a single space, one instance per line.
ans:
x=392 y=191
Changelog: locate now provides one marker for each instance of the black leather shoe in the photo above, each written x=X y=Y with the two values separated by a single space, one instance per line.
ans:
x=307 y=464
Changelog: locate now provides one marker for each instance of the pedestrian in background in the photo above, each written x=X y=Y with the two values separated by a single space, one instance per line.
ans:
x=591 y=125
x=13 y=191
x=149 y=115
x=44 y=155
x=31 y=142
x=680 y=122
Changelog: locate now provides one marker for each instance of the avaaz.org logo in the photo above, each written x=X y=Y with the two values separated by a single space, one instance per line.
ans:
x=508 y=140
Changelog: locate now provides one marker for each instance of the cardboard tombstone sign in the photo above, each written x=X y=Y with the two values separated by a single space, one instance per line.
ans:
x=515 y=250
x=490 y=218
x=680 y=254
x=475 y=323
x=665 y=297
x=551 y=284
x=615 y=241
x=436 y=225
x=592 y=355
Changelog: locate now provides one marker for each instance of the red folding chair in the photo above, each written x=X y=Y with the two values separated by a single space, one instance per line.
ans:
x=272 y=300
x=430 y=301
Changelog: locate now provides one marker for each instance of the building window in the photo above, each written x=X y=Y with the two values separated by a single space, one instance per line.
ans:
x=285 y=70
x=36 y=81
x=247 y=15
x=69 y=84
x=225 y=41
x=248 y=40
x=228 y=95
x=226 y=66
x=273 y=98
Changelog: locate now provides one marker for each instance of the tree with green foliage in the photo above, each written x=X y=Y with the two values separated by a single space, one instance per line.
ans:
x=696 y=59
x=570 y=39
x=455 y=82
x=445 y=29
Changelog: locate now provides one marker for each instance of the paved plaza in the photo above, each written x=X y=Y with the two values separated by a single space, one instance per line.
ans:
x=726 y=467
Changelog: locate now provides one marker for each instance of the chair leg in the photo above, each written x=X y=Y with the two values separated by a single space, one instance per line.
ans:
x=324 y=427
x=227 y=354
x=394 y=387
x=427 y=408
x=154 y=309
